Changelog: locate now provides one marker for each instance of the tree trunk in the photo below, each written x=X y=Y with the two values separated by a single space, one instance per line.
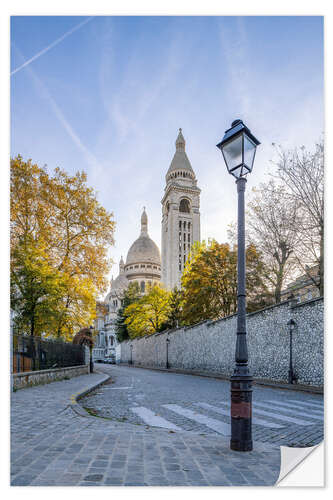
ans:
x=32 y=325
x=278 y=286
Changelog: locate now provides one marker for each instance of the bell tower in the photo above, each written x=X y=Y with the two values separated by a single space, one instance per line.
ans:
x=180 y=215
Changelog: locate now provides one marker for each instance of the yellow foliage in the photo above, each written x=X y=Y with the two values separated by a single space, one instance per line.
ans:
x=146 y=315
x=57 y=219
x=209 y=281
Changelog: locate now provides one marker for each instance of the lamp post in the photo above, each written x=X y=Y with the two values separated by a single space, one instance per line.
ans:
x=131 y=360
x=91 y=363
x=167 y=353
x=238 y=148
x=291 y=374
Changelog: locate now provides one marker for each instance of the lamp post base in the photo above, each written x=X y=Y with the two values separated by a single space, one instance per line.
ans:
x=241 y=410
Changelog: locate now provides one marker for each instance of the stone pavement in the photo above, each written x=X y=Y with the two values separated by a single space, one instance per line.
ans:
x=202 y=405
x=55 y=442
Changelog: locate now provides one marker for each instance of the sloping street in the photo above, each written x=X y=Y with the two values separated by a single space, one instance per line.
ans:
x=202 y=405
x=151 y=429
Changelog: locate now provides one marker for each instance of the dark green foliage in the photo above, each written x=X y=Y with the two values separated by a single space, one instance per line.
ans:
x=175 y=315
x=131 y=295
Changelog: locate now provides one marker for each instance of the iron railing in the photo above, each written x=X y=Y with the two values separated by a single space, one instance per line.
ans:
x=34 y=353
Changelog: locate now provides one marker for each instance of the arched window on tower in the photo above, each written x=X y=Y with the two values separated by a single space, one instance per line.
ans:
x=184 y=206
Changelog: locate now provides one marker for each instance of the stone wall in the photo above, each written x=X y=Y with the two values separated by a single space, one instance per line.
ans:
x=210 y=346
x=28 y=379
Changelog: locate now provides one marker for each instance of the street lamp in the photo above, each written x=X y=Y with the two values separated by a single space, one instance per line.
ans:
x=167 y=352
x=291 y=374
x=131 y=360
x=238 y=148
x=91 y=363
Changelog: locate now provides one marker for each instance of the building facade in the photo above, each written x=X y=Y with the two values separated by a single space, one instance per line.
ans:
x=304 y=287
x=143 y=266
x=143 y=262
x=180 y=229
x=180 y=215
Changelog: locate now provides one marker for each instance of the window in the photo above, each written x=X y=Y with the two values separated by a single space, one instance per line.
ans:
x=184 y=225
x=184 y=206
x=142 y=287
x=111 y=340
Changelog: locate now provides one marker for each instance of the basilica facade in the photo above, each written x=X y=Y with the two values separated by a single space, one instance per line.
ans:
x=180 y=229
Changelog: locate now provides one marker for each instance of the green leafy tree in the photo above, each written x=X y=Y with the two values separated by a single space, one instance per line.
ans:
x=36 y=288
x=174 y=318
x=57 y=220
x=131 y=295
x=147 y=315
x=209 y=282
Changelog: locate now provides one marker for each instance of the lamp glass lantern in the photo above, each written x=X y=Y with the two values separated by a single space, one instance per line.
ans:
x=292 y=324
x=238 y=148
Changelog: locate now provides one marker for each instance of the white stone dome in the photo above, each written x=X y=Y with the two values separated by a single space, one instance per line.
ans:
x=143 y=263
x=144 y=250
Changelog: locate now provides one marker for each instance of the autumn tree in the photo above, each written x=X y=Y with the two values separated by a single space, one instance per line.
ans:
x=209 y=282
x=131 y=295
x=273 y=219
x=63 y=213
x=146 y=315
x=302 y=174
x=174 y=317
x=36 y=288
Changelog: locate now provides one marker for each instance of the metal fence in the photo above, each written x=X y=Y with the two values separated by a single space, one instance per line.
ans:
x=33 y=353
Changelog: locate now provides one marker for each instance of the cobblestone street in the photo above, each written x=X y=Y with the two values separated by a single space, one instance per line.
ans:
x=160 y=429
x=198 y=404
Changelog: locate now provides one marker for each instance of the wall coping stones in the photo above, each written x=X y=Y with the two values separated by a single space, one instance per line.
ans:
x=28 y=379
x=49 y=370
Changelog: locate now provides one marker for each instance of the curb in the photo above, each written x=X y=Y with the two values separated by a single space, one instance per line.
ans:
x=263 y=382
x=78 y=395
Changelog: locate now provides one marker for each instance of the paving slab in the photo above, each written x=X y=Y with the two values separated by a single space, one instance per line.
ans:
x=55 y=442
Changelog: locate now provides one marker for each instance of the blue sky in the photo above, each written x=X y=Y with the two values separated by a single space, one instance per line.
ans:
x=110 y=96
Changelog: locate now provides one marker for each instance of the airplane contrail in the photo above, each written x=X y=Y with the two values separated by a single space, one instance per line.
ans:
x=51 y=45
